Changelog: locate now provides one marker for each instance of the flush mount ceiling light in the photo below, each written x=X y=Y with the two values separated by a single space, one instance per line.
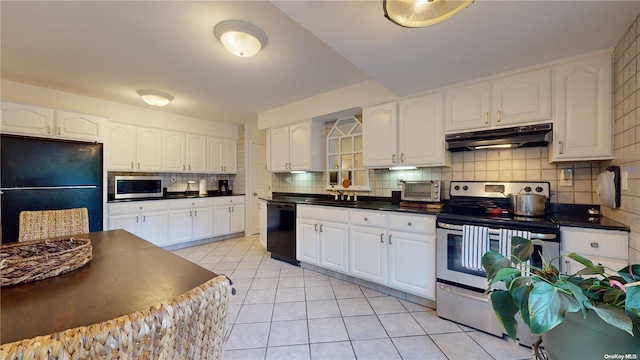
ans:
x=240 y=37
x=419 y=13
x=155 y=98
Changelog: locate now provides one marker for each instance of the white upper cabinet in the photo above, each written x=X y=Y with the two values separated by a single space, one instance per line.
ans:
x=221 y=156
x=133 y=148
x=196 y=153
x=523 y=98
x=409 y=132
x=38 y=121
x=582 y=129
x=380 y=135
x=174 y=151
x=298 y=147
x=421 y=132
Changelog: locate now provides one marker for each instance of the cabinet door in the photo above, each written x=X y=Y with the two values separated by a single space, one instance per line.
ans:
x=334 y=246
x=26 y=120
x=79 y=126
x=237 y=218
x=263 y=223
x=380 y=135
x=180 y=229
x=582 y=128
x=148 y=149
x=127 y=222
x=522 y=98
x=300 y=146
x=173 y=151
x=230 y=156
x=221 y=220
x=412 y=263
x=279 y=152
x=154 y=227
x=307 y=241
x=467 y=107
x=367 y=255
x=121 y=147
x=215 y=155
x=202 y=223
x=196 y=153
x=421 y=131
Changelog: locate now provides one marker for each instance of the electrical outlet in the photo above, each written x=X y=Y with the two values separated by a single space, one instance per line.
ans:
x=625 y=180
x=566 y=177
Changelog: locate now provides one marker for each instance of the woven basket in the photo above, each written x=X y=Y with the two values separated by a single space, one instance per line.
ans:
x=40 y=259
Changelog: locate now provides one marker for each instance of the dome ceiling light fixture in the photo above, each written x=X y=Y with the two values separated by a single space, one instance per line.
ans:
x=154 y=97
x=240 y=37
x=419 y=13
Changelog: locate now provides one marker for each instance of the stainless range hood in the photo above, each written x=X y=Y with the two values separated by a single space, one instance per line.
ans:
x=519 y=136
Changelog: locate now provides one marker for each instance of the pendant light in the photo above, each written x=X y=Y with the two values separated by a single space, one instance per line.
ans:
x=419 y=13
x=155 y=98
x=240 y=37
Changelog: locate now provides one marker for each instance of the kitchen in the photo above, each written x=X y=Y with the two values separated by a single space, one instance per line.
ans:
x=483 y=165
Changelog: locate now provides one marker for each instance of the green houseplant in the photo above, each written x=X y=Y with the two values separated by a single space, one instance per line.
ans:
x=545 y=298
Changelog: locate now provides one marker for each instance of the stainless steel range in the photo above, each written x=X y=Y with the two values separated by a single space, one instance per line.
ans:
x=478 y=213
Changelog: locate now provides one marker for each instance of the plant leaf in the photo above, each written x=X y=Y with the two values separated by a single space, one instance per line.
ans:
x=493 y=262
x=505 y=310
x=577 y=293
x=630 y=273
x=505 y=273
x=520 y=289
x=614 y=316
x=588 y=264
x=521 y=248
x=632 y=303
x=547 y=307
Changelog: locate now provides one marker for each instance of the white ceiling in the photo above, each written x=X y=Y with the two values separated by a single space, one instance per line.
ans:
x=111 y=49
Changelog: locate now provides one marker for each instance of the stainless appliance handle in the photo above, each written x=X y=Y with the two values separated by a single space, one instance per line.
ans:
x=537 y=236
x=50 y=187
x=449 y=290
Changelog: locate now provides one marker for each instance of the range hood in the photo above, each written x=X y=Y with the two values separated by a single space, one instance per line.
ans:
x=519 y=136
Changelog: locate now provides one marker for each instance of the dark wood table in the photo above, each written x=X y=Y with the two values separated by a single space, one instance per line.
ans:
x=125 y=275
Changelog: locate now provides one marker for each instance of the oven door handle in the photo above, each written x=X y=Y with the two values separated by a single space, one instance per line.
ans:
x=534 y=236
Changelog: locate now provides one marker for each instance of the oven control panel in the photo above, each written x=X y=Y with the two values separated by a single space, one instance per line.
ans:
x=498 y=189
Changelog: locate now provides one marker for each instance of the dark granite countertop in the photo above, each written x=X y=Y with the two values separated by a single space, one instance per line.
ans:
x=174 y=195
x=564 y=214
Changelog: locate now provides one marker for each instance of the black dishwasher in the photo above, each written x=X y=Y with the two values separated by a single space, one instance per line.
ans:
x=281 y=231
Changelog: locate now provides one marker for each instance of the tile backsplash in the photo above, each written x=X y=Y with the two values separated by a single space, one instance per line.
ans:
x=524 y=164
x=181 y=180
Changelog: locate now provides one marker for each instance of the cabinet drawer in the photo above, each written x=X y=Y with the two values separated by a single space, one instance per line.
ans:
x=368 y=218
x=190 y=203
x=137 y=206
x=425 y=224
x=593 y=242
x=322 y=213
x=228 y=200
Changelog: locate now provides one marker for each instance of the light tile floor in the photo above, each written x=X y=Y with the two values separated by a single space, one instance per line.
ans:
x=282 y=311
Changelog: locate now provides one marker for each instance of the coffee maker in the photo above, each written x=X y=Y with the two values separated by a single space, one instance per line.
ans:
x=223 y=187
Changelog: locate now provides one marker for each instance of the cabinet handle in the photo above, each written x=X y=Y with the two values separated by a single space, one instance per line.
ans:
x=289 y=166
x=229 y=209
x=393 y=158
x=144 y=218
x=486 y=117
x=390 y=239
x=232 y=209
x=409 y=223
x=402 y=157
x=286 y=166
x=567 y=264
x=189 y=167
x=195 y=212
x=59 y=130
x=183 y=167
x=190 y=213
x=595 y=245
x=137 y=219
x=321 y=226
x=366 y=219
x=132 y=165
x=48 y=129
x=225 y=168
x=561 y=143
x=138 y=166
x=499 y=115
x=315 y=227
x=382 y=238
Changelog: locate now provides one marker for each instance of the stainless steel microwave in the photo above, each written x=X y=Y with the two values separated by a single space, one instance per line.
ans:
x=135 y=187
x=427 y=191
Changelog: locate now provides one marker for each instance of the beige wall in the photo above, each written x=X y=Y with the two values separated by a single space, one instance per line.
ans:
x=627 y=133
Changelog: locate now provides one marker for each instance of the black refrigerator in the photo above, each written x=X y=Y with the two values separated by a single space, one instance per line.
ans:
x=43 y=174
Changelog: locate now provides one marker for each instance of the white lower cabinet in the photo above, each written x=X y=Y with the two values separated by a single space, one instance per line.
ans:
x=147 y=219
x=190 y=219
x=609 y=248
x=228 y=215
x=322 y=235
x=368 y=253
